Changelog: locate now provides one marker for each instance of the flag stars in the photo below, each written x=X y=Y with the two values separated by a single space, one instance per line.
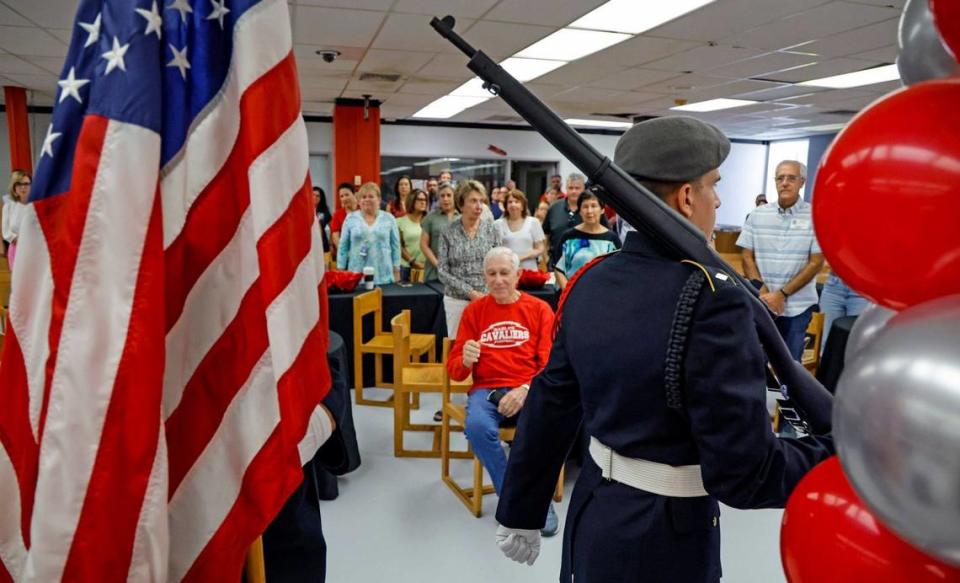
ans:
x=115 y=56
x=182 y=6
x=219 y=11
x=154 y=20
x=179 y=60
x=48 y=141
x=93 y=31
x=71 y=86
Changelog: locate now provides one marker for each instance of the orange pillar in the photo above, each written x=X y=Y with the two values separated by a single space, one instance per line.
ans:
x=18 y=128
x=356 y=142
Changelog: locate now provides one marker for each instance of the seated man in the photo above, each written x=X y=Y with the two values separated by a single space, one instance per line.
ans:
x=504 y=339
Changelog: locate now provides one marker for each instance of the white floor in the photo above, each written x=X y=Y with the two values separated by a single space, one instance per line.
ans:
x=396 y=521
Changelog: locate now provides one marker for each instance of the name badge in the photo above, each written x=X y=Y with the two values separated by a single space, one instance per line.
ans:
x=800 y=224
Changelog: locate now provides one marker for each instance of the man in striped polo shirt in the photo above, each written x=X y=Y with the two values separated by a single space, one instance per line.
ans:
x=781 y=250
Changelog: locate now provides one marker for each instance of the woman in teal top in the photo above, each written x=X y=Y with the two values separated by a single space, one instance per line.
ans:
x=411 y=256
x=370 y=238
x=585 y=242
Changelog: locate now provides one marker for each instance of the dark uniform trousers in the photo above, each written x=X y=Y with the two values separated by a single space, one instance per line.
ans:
x=607 y=370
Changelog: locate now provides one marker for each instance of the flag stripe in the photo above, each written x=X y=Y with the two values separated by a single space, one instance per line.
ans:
x=261 y=40
x=13 y=552
x=128 y=441
x=152 y=545
x=251 y=417
x=107 y=263
x=217 y=211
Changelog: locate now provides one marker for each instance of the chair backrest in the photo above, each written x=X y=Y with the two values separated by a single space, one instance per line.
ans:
x=400 y=327
x=370 y=302
x=814 y=335
x=416 y=275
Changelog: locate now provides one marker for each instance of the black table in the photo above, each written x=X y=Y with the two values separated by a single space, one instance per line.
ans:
x=426 y=313
x=326 y=482
x=831 y=361
x=548 y=293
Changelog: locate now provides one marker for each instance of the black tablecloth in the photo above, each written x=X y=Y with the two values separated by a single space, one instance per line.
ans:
x=831 y=361
x=548 y=293
x=426 y=313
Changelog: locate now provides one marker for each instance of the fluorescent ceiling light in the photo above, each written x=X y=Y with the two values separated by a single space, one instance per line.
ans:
x=599 y=123
x=472 y=88
x=568 y=44
x=857 y=78
x=824 y=128
x=436 y=161
x=634 y=17
x=397 y=169
x=714 y=105
x=449 y=106
x=529 y=69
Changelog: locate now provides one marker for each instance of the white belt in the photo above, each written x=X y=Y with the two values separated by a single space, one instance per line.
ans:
x=654 y=477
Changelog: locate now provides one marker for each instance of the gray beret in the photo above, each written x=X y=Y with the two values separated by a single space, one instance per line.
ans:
x=671 y=149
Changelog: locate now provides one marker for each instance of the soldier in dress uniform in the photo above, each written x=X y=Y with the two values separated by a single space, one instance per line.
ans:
x=659 y=359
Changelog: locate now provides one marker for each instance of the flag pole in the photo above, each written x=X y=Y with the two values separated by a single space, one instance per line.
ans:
x=256 y=567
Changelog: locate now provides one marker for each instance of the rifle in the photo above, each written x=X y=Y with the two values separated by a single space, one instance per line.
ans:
x=803 y=394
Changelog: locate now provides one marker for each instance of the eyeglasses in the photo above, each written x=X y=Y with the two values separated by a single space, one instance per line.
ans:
x=787 y=178
x=23 y=184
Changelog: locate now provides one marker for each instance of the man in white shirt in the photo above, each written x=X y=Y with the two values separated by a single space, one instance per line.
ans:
x=781 y=250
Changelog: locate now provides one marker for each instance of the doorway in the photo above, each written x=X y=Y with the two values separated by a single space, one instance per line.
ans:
x=532 y=178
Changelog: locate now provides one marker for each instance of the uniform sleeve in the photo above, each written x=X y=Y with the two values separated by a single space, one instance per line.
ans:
x=745 y=239
x=743 y=463
x=466 y=331
x=544 y=335
x=546 y=429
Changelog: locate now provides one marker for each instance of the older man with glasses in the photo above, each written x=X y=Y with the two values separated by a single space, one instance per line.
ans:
x=781 y=251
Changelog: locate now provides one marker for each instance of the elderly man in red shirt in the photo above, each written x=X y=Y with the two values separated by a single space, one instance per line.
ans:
x=504 y=340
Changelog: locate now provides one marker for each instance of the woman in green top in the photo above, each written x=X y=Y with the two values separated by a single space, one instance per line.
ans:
x=433 y=225
x=411 y=257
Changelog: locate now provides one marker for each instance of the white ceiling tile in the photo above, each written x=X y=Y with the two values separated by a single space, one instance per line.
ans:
x=447 y=67
x=582 y=72
x=762 y=66
x=543 y=12
x=316 y=108
x=43 y=83
x=887 y=54
x=714 y=21
x=32 y=41
x=820 y=22
x=403 y=62
x=310 y=63
x=50 y=64
x=702 y=58
x=434 y=87
x=863 y=39
x=11 y=64
x=441 y=8
x=782 y=92
x=728 y=89
x=319 y=95
x=335 y=26
x=684 y=83
x=46 y=13
x=375 y=88
x=504 y=39
x=820 y=70
x=412 y=32
x=381 y=5
x=390 y=112
x=643 y=49
x=408 y=100
x=11 y=18
x=629 y=79
x=334 y=81
x=899 y=4
x=64 y=34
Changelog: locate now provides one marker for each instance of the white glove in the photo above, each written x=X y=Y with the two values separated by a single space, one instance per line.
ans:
x=522 y=546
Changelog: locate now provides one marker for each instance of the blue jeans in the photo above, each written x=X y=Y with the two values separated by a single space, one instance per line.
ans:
x=836 y=301
x=483 y=432
x=793 y=329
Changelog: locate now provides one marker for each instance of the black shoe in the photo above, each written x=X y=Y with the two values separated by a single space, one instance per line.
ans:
x=438 y=416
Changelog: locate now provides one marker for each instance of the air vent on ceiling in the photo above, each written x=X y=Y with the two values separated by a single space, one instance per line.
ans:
x=380 y=77
x=841 y=112
x=503 y=119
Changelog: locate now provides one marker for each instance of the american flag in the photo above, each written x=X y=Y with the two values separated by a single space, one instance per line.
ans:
x=165 y=359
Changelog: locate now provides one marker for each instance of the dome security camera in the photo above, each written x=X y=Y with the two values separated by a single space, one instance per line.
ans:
x=328 y=55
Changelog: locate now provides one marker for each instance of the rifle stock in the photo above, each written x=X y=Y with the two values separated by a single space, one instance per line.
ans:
x=645 y=212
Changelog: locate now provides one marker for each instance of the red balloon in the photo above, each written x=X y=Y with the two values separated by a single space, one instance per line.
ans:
x=886 y=203
x=830 y=536
x=946 y=15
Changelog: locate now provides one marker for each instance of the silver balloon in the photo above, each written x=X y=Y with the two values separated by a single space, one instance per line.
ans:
x=869 y=323
x=922 y=55
x=896 y=421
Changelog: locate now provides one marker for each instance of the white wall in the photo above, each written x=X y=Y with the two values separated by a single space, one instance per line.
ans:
x=741 y=180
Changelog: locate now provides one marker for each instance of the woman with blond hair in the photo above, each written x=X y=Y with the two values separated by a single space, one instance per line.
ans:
x=370 y=238
x=14 y=210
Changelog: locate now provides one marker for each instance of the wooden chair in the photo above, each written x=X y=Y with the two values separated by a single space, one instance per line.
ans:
x=472 y=496
x=812 y=342
x=380 y=345
x=416 y=275
x=410 y=380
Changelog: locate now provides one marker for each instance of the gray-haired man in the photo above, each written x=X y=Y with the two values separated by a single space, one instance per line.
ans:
x=564 y=215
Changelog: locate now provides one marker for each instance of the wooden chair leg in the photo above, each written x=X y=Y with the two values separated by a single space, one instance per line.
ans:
x=358 y=377
x=399 y=420
x=558 y=492
x=255 y=567
x=378 y=370
x=477 y=488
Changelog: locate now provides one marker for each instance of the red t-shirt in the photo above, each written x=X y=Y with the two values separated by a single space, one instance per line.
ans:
x=336 y=222
x=514 y=339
